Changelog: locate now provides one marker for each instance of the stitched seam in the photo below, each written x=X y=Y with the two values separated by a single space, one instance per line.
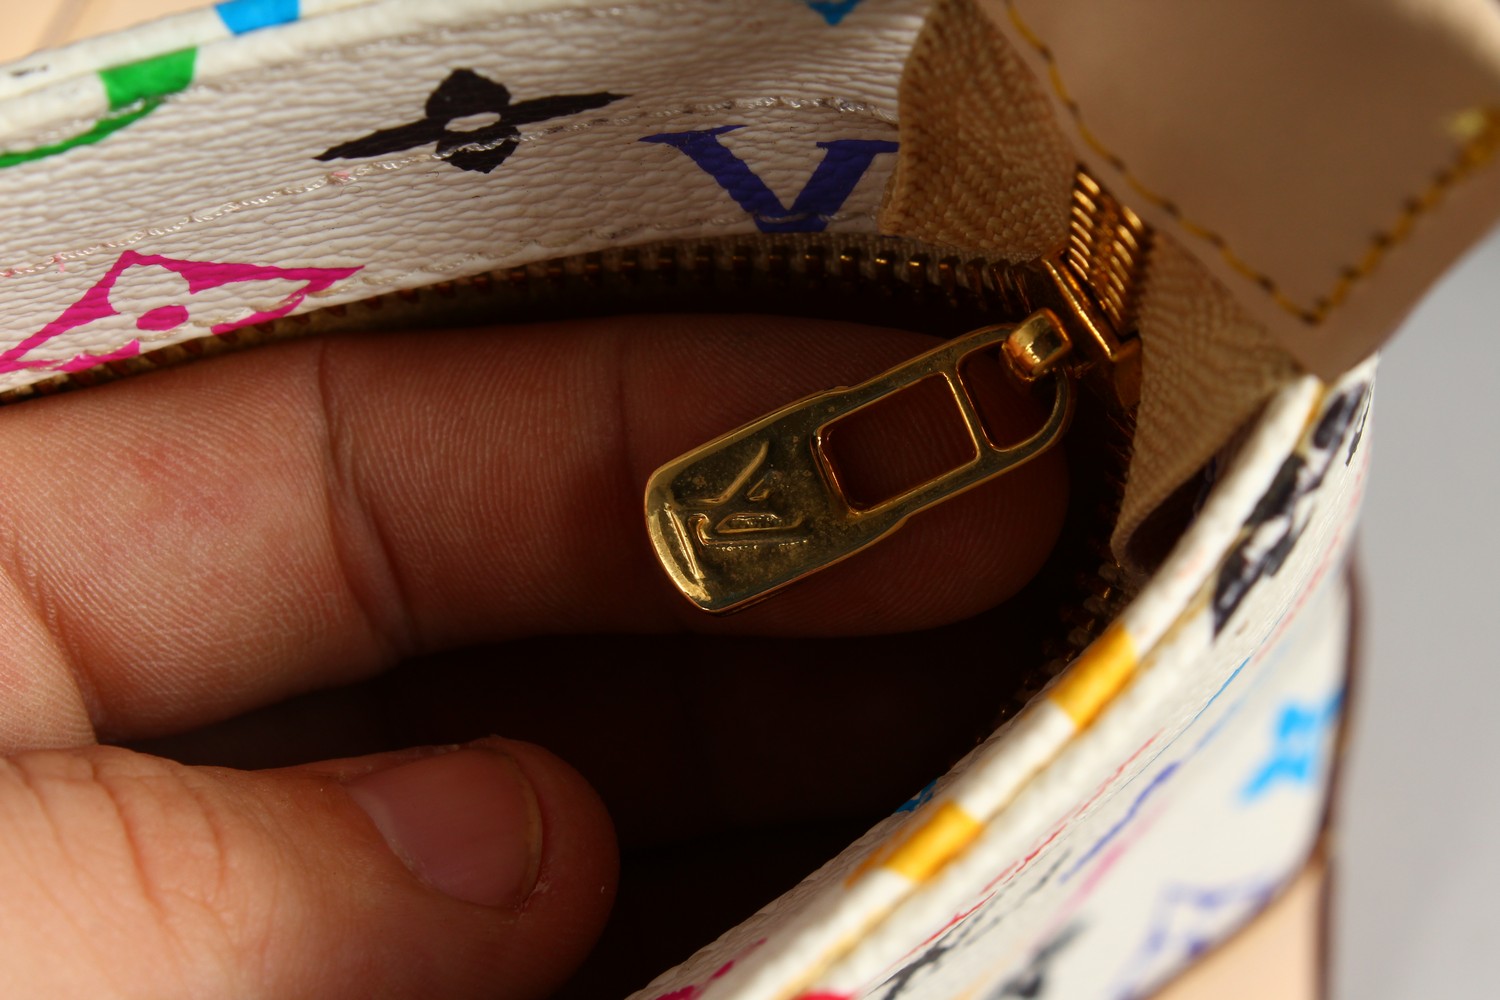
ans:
x=1473 y=154
x=844 y=105
x=609 y=236
x=62 y=131
x=841 y=105
x=388 y=282
x=348 y=175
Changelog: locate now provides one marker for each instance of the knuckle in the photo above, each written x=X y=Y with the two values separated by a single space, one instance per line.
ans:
x=368 y=560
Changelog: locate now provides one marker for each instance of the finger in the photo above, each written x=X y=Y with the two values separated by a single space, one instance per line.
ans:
x=456 y=872
x=702 y=755
x=183 y=547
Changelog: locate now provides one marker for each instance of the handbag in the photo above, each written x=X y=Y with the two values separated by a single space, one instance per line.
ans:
x=1220 y=212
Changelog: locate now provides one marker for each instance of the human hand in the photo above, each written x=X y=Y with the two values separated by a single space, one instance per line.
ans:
x=225 y=561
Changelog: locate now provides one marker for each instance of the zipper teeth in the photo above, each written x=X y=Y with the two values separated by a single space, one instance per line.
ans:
x=812 y=259
x=1106 y=248
x=847 y=262
x=890 y=264
x=1100 y=594
x=887 y=263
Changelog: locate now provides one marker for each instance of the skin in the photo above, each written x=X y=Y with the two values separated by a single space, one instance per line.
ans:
x=264 y=561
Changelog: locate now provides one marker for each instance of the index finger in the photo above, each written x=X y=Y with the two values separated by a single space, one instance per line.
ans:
x=182 y=547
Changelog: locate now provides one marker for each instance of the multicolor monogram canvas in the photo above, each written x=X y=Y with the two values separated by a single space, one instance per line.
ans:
x=265 y=158
x=342 y=159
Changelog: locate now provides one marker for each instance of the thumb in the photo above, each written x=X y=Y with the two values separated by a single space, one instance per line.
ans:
x=484 y=870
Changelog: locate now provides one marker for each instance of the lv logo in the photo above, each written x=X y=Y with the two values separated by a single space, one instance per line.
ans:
x=749 y=519
x=844 y=163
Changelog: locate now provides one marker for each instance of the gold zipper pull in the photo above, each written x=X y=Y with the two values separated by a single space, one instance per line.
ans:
x=762 y=507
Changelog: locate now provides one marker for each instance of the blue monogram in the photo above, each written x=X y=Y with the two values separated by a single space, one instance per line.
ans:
x=833 y=11
x=241 y=16
x=1297 y=757
x=844 y=163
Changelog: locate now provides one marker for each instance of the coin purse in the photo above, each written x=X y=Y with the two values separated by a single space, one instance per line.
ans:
x=1207 y=216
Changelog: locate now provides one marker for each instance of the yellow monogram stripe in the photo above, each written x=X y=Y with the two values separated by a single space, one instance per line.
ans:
x=1096 y=676
x=927 y=848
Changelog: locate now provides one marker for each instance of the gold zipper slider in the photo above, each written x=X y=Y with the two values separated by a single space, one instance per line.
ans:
x=762 y=507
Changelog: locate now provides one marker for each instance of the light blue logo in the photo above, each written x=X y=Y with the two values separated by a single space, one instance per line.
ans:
x=833 y=11
x=240 y=16
x=1301 y=740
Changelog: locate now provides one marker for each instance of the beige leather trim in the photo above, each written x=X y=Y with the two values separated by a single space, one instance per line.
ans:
x=984 y=163
x=1325 y=160
x=1208 y=367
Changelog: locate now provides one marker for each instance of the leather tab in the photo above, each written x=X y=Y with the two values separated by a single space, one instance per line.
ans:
x=1325 y=161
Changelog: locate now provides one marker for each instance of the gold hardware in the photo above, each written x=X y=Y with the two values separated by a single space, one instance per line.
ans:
x=1092 y=286
x=1035 y=349
x=1106 y=246
x=761 y=507
x=1100 y=354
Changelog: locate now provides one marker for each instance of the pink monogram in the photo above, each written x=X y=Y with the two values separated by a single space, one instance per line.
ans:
x=195 y=277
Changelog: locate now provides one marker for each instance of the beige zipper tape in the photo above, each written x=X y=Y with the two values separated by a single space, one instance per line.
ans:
x=1306 y=171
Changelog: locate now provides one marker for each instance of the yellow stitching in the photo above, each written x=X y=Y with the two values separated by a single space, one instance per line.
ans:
x=1480 y=127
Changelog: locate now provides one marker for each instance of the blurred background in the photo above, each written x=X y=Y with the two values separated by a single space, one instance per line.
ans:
x=1416 y=867
x=1417 y=842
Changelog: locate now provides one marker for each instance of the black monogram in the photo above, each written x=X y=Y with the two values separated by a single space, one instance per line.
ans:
x=466 y=94
x=1279 y=518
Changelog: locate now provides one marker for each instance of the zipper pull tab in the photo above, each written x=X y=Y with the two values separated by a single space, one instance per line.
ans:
x=762 y=507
